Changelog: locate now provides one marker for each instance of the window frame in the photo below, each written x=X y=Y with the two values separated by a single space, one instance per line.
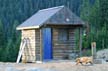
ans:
x=63 y=34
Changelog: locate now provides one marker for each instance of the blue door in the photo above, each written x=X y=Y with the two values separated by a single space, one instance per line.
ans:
x=47 y=44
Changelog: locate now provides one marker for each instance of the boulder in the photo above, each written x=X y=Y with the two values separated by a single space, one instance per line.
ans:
x=99 y=61
x=73 y=56
x=103 y=54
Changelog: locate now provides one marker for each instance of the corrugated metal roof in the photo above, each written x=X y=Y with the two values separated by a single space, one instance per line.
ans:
x=40 y=18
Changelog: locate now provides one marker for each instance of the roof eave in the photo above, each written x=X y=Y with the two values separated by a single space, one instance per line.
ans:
x=64 y=24
x=24 y=28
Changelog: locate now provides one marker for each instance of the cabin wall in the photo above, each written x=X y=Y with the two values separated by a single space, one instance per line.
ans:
x=33 y=52
x=62 y=50
x=38 y=44
x=29 y=51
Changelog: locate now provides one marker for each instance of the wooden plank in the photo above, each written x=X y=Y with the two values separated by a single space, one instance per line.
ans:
x=64 y=48
x=40 y=45
x=63 y=51
x=21 y=51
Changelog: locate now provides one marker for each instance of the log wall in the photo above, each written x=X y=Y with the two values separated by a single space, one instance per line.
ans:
x=61 y=50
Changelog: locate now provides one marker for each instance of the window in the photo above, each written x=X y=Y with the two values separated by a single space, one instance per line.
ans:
x=63 y=35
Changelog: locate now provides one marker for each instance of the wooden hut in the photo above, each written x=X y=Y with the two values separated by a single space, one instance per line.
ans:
x=50 y=34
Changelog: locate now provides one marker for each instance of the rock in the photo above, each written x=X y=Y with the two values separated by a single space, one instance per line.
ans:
x=99 y=61
x=103 y=54
x=73 y=56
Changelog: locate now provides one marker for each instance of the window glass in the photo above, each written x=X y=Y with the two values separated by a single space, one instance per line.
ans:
x=63 y=35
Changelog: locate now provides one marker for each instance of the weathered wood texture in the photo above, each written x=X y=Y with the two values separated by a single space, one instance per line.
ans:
x=61 y=50
x=32 y=51
x=29 y=51
x=38 y=45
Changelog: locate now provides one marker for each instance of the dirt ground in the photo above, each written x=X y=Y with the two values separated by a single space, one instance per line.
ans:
x=52 y=66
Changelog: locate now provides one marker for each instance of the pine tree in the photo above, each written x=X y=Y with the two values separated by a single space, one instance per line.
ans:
x=85 y=10
x=2 y=40
x=104 y=21
x=85 y=15
x=1 y=35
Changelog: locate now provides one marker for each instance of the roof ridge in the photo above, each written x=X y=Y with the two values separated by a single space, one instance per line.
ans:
x=52 y=8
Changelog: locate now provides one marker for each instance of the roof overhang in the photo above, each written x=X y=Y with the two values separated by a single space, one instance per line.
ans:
x=31 y=27
x=62 y=25
x=65 y=24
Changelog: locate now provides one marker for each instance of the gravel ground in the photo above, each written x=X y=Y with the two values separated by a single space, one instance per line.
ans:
x=52 y=66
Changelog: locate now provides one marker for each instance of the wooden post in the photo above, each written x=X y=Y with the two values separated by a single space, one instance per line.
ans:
x=40 y=45
x=80 y=41
x=93 y=45
x=103 y=44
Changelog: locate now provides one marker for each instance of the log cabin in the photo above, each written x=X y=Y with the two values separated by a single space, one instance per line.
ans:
x=50 y=34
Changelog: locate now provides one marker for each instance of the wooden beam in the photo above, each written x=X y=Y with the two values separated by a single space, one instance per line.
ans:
x=41 y=45
x=62 y=26
x=22 y=46
x=93 y=46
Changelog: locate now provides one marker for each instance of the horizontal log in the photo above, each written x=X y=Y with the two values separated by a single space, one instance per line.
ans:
x=71 y=49
x=58 y=57
x=63 y=51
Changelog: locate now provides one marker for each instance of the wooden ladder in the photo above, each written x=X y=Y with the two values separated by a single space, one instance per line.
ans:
x=21 y=50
